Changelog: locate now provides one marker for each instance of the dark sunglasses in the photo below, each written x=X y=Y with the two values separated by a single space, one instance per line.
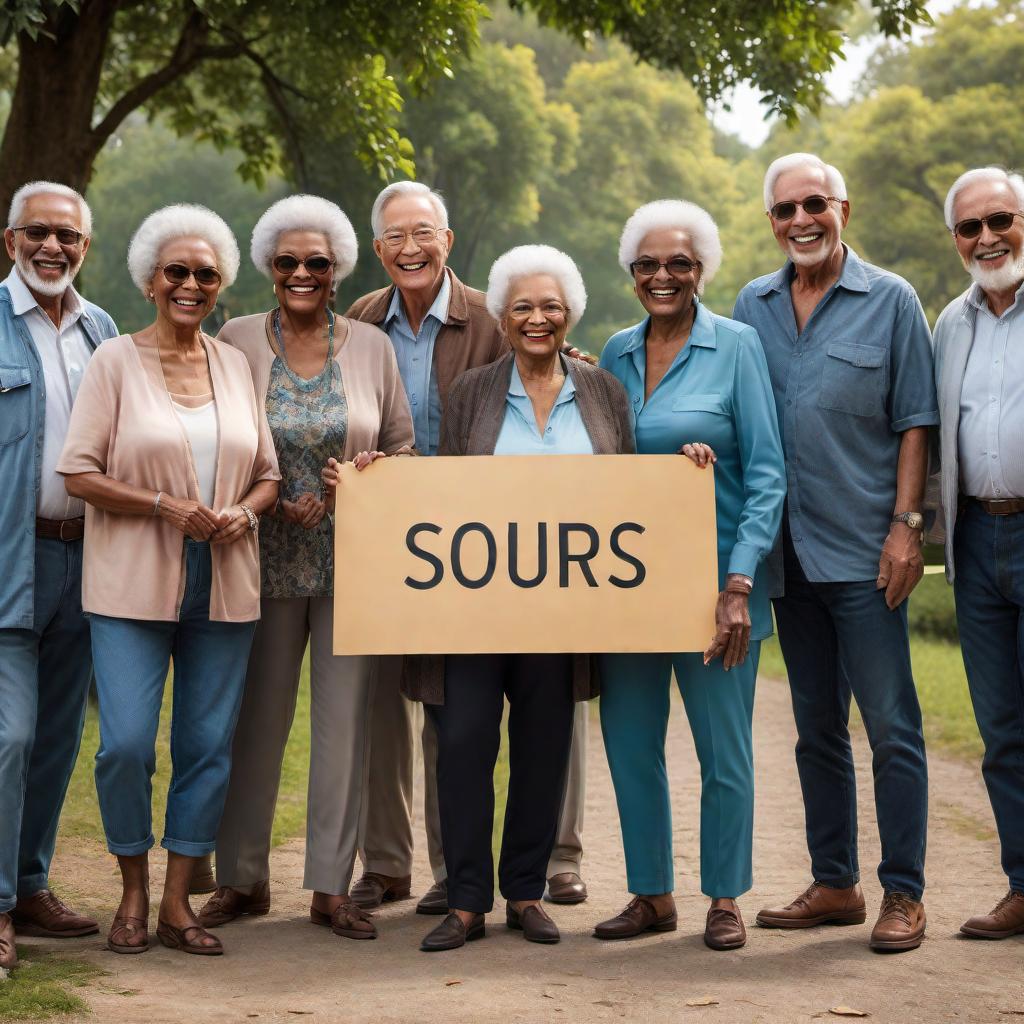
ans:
x=678 y=266
x=41 y=232
x=178 y=273
x=997 y=222
x=812 y=205
x=286 y=264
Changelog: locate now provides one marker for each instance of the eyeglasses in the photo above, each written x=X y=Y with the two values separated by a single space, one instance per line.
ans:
x=395 y=239
x=551 y=310
x=178 y=273
x=997 y=222
x=812 y=205
x=41 y=232
x=678 y=266
x=288 y=264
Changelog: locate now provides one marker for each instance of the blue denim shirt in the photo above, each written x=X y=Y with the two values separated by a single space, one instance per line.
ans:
x=846 y=387
x=22 y=421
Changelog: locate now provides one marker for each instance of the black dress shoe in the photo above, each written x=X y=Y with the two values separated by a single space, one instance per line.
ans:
x=435 y=899
x=533 y=922
x=452 y=933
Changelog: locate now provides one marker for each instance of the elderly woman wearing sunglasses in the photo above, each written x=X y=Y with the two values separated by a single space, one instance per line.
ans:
x=331 y=388
x=171 y=452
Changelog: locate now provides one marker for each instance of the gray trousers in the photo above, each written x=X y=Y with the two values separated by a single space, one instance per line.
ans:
x=340 y=689
x=385 y=835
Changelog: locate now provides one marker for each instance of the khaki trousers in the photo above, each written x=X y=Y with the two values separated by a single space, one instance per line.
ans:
x=340 y=690
x=385 y=836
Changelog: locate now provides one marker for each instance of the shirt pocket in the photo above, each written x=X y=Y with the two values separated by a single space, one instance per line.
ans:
x=15 y=403
x=853 y=379
x=700 y=403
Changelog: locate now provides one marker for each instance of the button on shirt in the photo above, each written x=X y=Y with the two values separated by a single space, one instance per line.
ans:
x=415 y=354
x=991 y=435
x=846 y=387
x=64 y=352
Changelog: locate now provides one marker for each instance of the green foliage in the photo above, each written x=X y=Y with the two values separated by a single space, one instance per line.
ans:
x=42 y=987
x=932 y=610
x=28 y=16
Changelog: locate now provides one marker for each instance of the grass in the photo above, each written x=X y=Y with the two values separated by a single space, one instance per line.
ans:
x=43 y=986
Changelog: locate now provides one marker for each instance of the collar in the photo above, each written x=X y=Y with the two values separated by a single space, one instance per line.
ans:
x=976 y=297
x=517 y=389
x=853 y=276
x=702 y=333
x=438 y=308
x=22 y=299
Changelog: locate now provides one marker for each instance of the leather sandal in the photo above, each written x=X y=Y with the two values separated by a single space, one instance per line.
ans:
x=188 y=939
x=128 y=935
x=352 y=922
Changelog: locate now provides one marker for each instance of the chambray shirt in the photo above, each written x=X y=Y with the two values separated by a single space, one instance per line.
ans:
x=716 y=391
x=846 y=387
x=564 y=432
x=415 y=354
x=991 y=441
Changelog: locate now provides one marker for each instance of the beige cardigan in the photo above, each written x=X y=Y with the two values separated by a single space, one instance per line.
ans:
x=123 y=425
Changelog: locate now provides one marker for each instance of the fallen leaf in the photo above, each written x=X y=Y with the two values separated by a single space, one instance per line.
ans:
x=452 y=981
x=298 y=1012
x=702 y=1001
x=848 y=1011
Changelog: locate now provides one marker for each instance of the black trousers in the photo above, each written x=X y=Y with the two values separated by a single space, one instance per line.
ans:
x=468 y=724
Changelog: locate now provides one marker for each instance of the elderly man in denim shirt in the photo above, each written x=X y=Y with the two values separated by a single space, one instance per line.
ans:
x=47 y=334
x=850 y=360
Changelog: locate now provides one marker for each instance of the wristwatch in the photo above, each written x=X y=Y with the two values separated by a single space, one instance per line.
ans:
x=913 y=519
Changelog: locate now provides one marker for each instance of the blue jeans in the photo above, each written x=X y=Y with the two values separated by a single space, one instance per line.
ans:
x=44 y=684
x=838 y=639
x=988 y=552
x=132 y=658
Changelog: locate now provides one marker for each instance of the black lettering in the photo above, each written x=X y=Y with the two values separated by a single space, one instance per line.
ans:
x=431 y=560
x=492 y=555
x=565 y=557
x=641 y=569
x=513 y=556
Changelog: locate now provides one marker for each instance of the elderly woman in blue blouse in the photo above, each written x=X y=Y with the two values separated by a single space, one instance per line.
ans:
x=698 y=384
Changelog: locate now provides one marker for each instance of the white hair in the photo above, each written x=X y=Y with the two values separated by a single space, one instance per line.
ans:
x=527 y=260
x=405 y=188
x=997 y=174
x=183 y=220
x=48 y=188
x=305 y=213
x=833 y=179
x=696 y=223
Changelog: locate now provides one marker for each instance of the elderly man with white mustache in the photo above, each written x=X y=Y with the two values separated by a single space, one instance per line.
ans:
x=850 y=360
x=979 y=374
x=47 y=334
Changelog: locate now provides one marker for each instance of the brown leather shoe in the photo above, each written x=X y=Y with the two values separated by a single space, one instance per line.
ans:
x=128 y=935
x=567 y=887
x=817 y=904
x=203 y=880
x=435 y=899
x=724 y=929
x=1006 y=919
x=533 y=922
x=900 y=924
x=452 y=933
x=373 y=889
x=46 y=914
x=638 y=917
x=226 y=904
x=8 y=951
x=190 y=939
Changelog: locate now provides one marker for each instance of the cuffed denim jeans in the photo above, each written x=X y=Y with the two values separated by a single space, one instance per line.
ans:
x=132 y=658
x=44 y=684
x=988 y=552
x=838 y=639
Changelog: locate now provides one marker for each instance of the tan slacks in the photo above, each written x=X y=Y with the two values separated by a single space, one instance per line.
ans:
x=385 y=836
x=340 y=691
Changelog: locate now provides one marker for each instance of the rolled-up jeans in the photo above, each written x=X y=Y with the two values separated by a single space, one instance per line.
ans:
x=131 y=658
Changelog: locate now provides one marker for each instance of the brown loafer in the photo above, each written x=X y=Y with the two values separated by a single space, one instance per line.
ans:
x=1006 y=919
x=533 y=922
x=724 y=929
x=817 y=904
x=567 y=887
x=638 y=917
x=189 y=939
x=46 y=914
x=203 y=879
x=128 y=935
x=348 y=920
x=8 y=951
x=435 y=899
x=452 y=933
x=374 y=889
x=900 y=924
x=226 y=904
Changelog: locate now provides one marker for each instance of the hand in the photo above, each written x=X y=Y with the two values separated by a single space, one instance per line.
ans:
x=313 y=511
x=236 y=525
x=192 y=518
x=364 y=459
x=901 y=566
x=699 y=454
x=732 y=623
x=574 y=353
x=296 y=511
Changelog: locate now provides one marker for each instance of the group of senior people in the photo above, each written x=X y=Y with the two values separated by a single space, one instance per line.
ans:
x=209 y=470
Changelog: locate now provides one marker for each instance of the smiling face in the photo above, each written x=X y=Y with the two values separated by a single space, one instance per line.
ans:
x=302 y=292
x=994 y=259
x=808 y=239
x=414 y=266
x=536 y=317
x=184 y=305
x=47 y=267
x=666 y=294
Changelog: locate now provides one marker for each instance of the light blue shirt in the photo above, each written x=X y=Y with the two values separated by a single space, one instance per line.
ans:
x=415 y=354
x=564 y=432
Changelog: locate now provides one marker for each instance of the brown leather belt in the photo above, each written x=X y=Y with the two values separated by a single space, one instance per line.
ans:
x=1000 y=506
x=60 y=529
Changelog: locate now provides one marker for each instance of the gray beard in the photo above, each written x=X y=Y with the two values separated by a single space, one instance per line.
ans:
x=52 y=289
x=1003 y=279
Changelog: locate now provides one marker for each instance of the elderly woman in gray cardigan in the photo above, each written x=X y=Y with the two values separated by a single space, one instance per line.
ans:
x=532 y=401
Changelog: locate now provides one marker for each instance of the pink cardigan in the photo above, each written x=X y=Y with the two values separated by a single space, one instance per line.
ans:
x=123 y=425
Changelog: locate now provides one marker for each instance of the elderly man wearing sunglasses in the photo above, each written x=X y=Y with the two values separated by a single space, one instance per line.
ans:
x=850 y=360
x=979 y=373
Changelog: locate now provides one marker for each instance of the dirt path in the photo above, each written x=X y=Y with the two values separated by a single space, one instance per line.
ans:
x=280 y=968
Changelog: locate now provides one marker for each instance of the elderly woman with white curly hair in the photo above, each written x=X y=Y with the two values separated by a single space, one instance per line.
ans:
x=171 y=452
x=332 y=391
x=698 y=386
x=532 y=401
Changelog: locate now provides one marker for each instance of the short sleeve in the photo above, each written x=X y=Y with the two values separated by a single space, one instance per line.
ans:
x=912 y=398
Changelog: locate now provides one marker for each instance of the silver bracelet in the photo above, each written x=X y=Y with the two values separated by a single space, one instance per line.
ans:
x=254 y=523
x=156 y=503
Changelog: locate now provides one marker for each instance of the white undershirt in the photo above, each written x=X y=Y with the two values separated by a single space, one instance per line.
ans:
x=202 y=429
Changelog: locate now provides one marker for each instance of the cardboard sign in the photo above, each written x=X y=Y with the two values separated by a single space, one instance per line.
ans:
x=525 y=554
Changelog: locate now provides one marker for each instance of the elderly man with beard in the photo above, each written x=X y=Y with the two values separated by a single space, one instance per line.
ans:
x=47 y=334
x=979 y=374
x=850 y=360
